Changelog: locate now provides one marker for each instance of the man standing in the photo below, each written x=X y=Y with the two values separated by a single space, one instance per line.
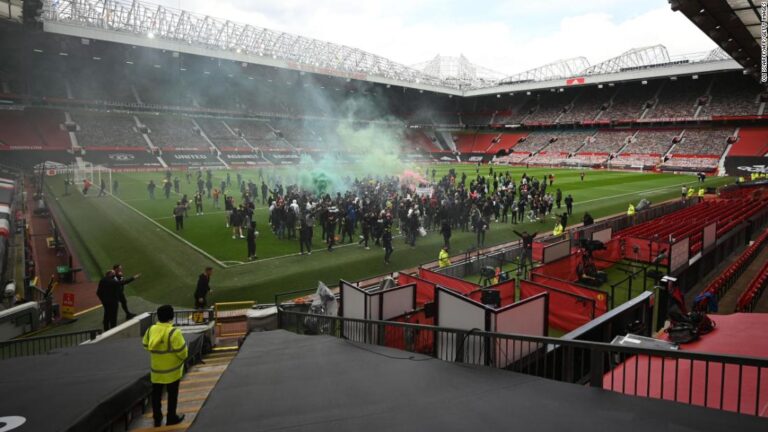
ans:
x=168 y=351
x=569 y=204
x=167 y=188
x=250 y=239
x=108 y=296
x=102 y=188
x=203 y=288
x=198 y=204
x=115 y=184
x=526 y=254
x=119 y=277
x=108 y=292
x=445 y=230
x=387 y=238
x=151 y=189
x=178 y=214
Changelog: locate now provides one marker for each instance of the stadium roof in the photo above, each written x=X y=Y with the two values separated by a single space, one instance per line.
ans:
x=135 y=22
x=734 y=25
x=459 y=70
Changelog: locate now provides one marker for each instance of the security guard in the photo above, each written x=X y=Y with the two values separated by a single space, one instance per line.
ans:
x=442 y=259
x=631 y=212
x=168 y=351
x=558 y=231
x=701 y=194
x=690 y=192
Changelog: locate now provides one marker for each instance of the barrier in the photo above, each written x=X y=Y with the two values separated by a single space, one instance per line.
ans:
x=425 y=290
x=458 y=285
x=567 y=311
x=600 y=297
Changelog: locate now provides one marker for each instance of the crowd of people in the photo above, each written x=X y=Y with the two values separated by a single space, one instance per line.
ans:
x=373 y=210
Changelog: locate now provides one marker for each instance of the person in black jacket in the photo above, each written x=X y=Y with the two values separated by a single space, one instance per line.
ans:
x=250 y=239
x=203 y=288
x=526 y=254
x=119 y=277
x=445 y=230
x=108 y=292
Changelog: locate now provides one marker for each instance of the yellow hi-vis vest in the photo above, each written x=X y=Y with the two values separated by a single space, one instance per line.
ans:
x=690 y=192
x=442 y=259
x=631 y=210
x=168 y=350
x=701 y=192
x=558 y=230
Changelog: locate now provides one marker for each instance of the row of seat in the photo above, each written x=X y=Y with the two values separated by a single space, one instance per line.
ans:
x=751 y=295
x=721 y=284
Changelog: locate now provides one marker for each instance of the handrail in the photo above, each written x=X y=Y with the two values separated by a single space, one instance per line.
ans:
x=40 y=345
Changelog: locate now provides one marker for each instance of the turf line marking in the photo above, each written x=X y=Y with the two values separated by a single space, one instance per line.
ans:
x=636 y=192
x=204 y=214
x=181 y=239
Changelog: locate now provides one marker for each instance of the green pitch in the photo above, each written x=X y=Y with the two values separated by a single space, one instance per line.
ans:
x=139 y=233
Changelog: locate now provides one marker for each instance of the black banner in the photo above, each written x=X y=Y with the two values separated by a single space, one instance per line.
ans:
x=746 y=165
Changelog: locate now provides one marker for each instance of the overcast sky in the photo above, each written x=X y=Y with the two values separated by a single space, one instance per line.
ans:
x=508 y=36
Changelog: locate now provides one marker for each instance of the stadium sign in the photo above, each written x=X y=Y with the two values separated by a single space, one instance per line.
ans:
x=191 y=156
x=9 y=423
x=284 y=156
x=242 y=156
x=746 y=165
x=121 y=157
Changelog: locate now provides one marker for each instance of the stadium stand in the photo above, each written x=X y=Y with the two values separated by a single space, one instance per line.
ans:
x=690 y=222
x=512 y=158
x=550 y=106
x=722 y=283
x=476 y=118
x=17 y=132
x=173 y=133
x=710 y=142
x=569 y=142
x=749 y=298
x=605 y=141
x=421 y=142
x=678 y=98
x=107 y=130
x=464 y=142
x=752 y=141
x=587 y=105
x=504 y=142
x=258 y=133
x=629 y=101
x=651 y=142
x=105 y=83
x=33 y=129
x=218 y=132
x=732 y=94
x=534 y=142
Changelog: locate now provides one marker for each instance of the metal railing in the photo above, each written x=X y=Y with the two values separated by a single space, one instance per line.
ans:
x=44 y=344
x=716 y=381
x=188 y=317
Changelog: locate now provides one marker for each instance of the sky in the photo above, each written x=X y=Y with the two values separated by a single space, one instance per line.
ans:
x=507 y=36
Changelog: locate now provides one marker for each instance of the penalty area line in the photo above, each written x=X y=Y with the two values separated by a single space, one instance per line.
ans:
x=178 y=237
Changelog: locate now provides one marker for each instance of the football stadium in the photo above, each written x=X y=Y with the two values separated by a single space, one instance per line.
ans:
x=210 y=225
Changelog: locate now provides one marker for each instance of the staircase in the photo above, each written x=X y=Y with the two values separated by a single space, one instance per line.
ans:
x=193 y=391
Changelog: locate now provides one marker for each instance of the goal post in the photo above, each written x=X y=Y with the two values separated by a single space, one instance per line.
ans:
x=95 y=174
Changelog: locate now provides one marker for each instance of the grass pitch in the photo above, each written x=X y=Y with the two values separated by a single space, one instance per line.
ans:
x=139 y=233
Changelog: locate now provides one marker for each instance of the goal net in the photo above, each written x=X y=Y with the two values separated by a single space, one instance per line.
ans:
x=95 y=175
